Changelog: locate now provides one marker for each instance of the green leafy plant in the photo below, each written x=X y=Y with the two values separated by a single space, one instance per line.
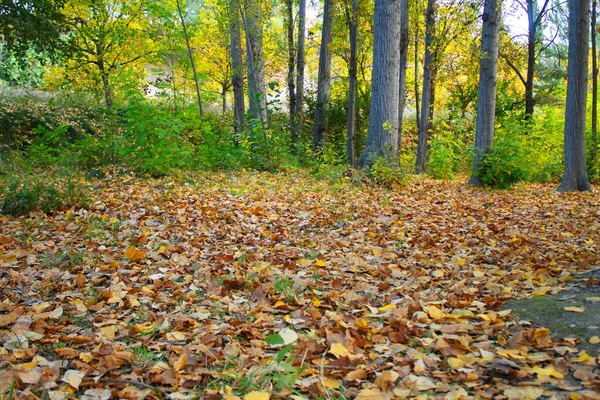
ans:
x=388 y=174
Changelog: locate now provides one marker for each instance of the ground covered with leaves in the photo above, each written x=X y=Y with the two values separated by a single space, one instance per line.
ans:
x=259 y=285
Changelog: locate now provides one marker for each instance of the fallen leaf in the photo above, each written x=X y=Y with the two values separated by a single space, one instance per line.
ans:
x=338 y=350
x=574 y=309
x=257 y=395
x=73 y=377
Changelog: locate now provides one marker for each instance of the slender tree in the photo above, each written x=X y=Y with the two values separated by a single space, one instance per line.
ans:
x=382 y=139
x=488 y=67
x=300 y=61
x=403 y=58
x=237 y=66
x=428 y=89
x=575 y=176
x=324 y=80
x=353 y=24
x=190 y=55
x=291 y=68
x=255 y=61
x=594 y=152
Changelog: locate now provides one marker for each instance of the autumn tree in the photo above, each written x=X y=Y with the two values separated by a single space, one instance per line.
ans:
x=324 y=79
x=109 y=35
x=486 y=103
x=575 y=176
x=190 y=54
x=404 y=38
x=237 y=71
x=352 y=17
x=382 y=139
x=300 y=64
x=254 y=59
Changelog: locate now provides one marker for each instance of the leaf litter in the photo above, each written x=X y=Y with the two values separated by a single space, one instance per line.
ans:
x=260 y=286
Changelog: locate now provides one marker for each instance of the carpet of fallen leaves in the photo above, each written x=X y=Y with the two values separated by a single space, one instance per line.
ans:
x=262 y=286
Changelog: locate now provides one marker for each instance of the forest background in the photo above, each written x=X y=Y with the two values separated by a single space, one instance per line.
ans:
x=150 y=87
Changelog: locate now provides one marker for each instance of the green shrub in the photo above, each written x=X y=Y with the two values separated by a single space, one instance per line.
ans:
x=505 y=164
x=23 y=196
x=444 y=157
x=389 y=173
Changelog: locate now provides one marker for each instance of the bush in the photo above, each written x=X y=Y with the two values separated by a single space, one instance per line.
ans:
x=26 y=196
x=444 y=157
x=389 y=173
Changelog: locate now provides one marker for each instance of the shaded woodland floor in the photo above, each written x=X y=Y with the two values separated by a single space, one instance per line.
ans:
x=258 y=285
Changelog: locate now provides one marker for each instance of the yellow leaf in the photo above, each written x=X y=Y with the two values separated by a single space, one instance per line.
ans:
x=387 y=307
x=133 y=254
x=73 y=377
x=460 y=261
x=175 y=335
x=338 y=350
x=435 y=312
x=376 y=252
x=478 y=274
x=594 y=340
x=162 y=249
x=332 y=383
x=109 y=331
x=593 y=299
x=316 y=302
x=361 y=323
x=256 y=395
x=438 y=273
x=574 y=309
x=369 y=394
x=455 y=363
x=548 y=371
x=320 y=263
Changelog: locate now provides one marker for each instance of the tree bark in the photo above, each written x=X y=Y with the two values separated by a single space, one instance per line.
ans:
x=324 y=81
x=594 y=154
x=575 y=176
x=290 y=73
x=255 y=62
x=300 y=65
x=190 y=55
x=108 y=98
x=403 y=61
x=237 y=67
x=426 y=105
x=486 y=101
x=353 y=20
x=382 y=139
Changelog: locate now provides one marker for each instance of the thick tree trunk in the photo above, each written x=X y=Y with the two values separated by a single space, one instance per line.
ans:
x=324 y=81
x=426 y=104
x=190 y=55
x=416 y=86
x=254 y=59
x=237 y=66
x=594 y=155
x=575 y=176
x=382 y=139
x=290 y=73
x=403 y=58
x=353 y=19
x=486 y=102
x=300 y=65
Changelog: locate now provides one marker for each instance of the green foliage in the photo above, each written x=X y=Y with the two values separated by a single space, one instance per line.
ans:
x=25 y=195
x=504 y=165
x=444 y=156
x=389 y=173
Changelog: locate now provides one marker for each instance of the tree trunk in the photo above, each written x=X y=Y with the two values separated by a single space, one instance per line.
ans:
x=403 y=59
x=108 y=99
x=416 y=88
x=324 y=81
x=254 y=59
x=426 y=105
x=290 y=72
x=300 y=65
x=594 y=155
x=382 y=139
x=223 y=99
x=486 y=101
x=575 y=176
x=190 y=55
x=531 y=42
x=353 y=20
x=237 y=68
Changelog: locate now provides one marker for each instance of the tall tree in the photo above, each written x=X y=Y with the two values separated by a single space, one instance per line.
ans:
x=428 y=89
x=237 y=76
x=352 y=17
x=190 y=55
x=403 y=58
x=594 y=152
x=324 y=80
x=289 y=10
x=575 y=176
x=300 y=61
x=488 y=67
x=382 y=139
x=254 y=58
